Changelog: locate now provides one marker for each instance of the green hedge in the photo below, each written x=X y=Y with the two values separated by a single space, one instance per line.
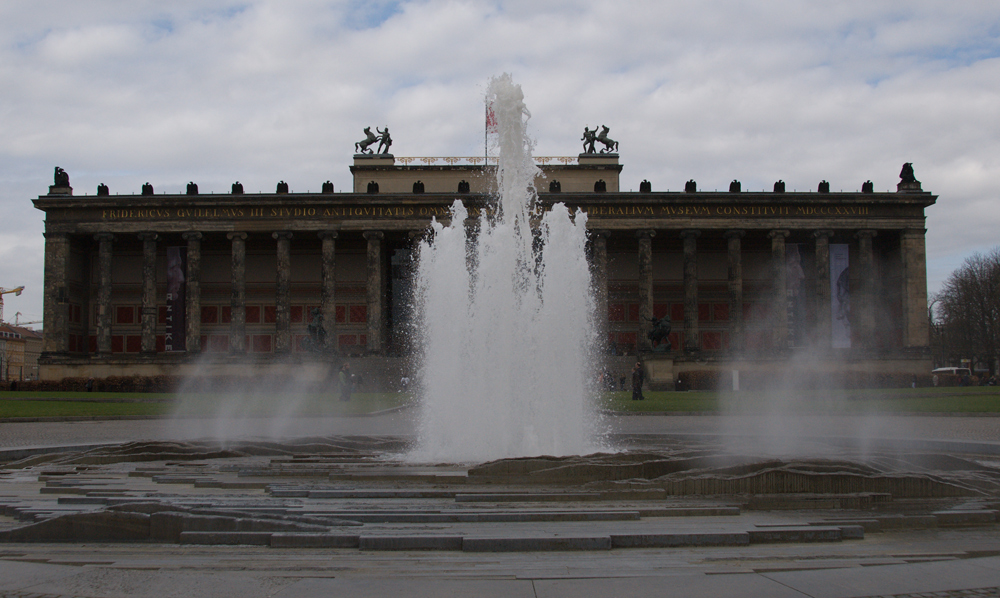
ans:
x=765 y=380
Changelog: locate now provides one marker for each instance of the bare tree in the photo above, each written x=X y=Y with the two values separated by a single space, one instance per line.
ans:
x=969 y=311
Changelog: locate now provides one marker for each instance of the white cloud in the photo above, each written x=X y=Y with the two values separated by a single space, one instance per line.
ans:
x=125 y=92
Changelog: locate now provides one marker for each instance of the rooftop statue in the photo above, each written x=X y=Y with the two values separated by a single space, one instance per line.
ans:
x=908 y=182
x=361 y=147
x=610 y=145
x=384 y=141
x=589 y=138
x=61 y=178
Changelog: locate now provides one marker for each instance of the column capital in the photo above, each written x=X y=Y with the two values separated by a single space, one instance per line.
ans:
x=147 y=236
x=281 y=234
x=98 y=236
x=735 y=234
x=778 y=233
x=417 y=234
x=600 y=233
x=690 y=233
x=914 y=232
x=374 y=234
x=866 y=233
x=191 y=236
x=236 y=235
x=822 y=234
x=60 y=235
x=327 y=234
x=645 y=233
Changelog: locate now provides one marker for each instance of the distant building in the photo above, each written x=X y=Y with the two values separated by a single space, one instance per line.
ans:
x=19 y=351
x=151 y=283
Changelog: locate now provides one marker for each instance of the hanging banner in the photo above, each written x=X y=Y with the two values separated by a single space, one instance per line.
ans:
x=795 y=287
x=840 y=296
x=175 y=329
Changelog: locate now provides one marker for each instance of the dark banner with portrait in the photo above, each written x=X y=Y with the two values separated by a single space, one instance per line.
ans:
x=795 y=285
x=840 y=296
x=175 y=328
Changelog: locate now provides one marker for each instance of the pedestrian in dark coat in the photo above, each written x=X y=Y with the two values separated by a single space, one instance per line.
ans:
x=346 y=382
x=637 y=379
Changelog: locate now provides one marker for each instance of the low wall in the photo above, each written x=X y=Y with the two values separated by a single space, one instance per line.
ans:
x=376 y=373
x=662 y=370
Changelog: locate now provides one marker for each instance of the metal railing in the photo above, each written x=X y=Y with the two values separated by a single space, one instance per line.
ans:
x=476 y=160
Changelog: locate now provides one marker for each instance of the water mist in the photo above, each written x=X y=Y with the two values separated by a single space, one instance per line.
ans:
x=505 y=317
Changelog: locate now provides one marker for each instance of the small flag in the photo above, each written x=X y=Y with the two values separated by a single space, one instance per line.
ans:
x=491 y=120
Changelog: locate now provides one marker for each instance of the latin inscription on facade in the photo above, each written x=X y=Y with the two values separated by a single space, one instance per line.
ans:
x=427 y=211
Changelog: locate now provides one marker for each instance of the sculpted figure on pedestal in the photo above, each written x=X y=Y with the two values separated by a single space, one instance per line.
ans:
x=659 y=334
x=61 y=178
x=589 y=139
x=610 y=145
x=361 y=147
x=384 y=141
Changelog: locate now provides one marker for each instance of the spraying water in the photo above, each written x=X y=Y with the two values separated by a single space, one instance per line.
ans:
x=505 y=317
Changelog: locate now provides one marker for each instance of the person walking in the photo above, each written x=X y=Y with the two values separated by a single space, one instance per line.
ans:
x=345 y=382
x=637 y=380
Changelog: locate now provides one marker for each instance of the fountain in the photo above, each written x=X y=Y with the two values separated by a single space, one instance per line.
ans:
x=506 y=317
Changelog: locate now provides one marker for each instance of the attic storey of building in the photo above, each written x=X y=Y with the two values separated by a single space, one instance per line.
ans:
x=348 y=211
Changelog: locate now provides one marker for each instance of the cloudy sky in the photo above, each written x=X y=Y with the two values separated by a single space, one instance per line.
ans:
x=123 y=92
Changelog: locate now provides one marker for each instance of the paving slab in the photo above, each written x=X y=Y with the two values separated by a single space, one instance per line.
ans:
x=413 y=588
x=688 y=586
x=913 y=578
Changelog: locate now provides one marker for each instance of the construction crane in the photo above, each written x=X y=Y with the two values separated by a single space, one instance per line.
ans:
x=18 y=322
x=3 y=292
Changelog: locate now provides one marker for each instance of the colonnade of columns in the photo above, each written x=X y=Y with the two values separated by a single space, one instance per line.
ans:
x=913 y=292
x=863 y=301
x=56 y=315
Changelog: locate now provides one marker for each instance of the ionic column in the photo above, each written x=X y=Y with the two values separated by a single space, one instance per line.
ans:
x=238 y=304
x=865 y=314
x=734 y=242
x=104 y=292
x=148 y=292
x=328 y=289
x=913 y=253
x=56 y=304
x=374 y=290
x=779 y=313
x=645 y=288
x=192 y=293
x=600 y=240
x=824 y=308
x=282 y=293
x=691 y=339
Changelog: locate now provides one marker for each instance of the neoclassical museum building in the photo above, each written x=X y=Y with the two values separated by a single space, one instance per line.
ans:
x=151 y=283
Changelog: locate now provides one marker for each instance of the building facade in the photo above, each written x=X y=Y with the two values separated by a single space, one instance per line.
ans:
x=164 y=284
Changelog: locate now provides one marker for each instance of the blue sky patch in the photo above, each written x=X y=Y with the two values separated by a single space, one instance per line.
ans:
x=370 y=14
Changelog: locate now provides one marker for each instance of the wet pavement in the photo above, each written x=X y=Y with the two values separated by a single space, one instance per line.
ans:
x=541 y=540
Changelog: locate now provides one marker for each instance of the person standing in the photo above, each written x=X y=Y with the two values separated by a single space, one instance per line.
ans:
x=637 y=380
x=345 y=382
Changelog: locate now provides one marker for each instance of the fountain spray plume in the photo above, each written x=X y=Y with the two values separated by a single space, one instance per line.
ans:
x=505 y=317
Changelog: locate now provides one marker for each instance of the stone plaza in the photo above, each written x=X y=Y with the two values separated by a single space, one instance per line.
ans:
x=139 y=508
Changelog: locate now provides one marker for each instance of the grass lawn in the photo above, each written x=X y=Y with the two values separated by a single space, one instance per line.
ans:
x=95 y=404
x=978 y=399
